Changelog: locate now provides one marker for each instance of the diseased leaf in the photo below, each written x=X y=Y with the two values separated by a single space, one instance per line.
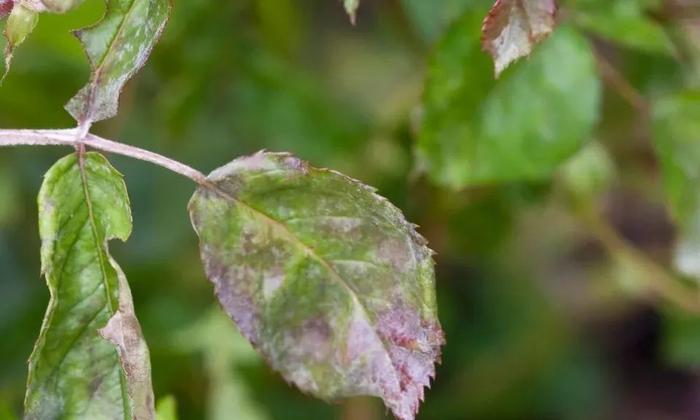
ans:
x=513 y=27
x=124 y=332
x=677 y=142
x=20 y=23
x=5 y=7
x=476 y=130
x=73 y=371
x=23 y=17
x=60 y=6
x=117 y=47
x=351 y=7
x=323 y=276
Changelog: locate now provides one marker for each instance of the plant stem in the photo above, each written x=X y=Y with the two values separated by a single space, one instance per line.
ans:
x=658 y=279
x=74 y=137
x=616 y=81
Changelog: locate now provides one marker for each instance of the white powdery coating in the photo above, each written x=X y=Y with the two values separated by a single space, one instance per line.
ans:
x=131 y=37
x=271 y=283
x=379 y=335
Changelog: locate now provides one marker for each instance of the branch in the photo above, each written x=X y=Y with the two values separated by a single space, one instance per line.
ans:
x=74 y=137
x=616 y=81
x=658 y=279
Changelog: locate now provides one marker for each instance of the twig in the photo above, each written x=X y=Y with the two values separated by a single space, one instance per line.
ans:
x=619 y=84
x=662 y=282
x=73 y=137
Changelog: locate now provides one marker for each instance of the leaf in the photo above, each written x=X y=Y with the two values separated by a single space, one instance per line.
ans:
x=476 y=130
x=323 y=276
x=73 y=371
x=20 y=23
x=60 y=6
x=23 y=17
x=124 y=332
x=5 y=7
x=513 y=27
x=677 y=143
x=431 y=18
x=118 y=46
x=624 y=22
x=351 y=7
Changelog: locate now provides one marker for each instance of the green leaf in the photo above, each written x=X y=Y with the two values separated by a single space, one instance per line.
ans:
x=431 y=18
x=476 y=130
x=323 y=276
x=513 y=27
x=351 y=7
x=118 y=46
x=73 y=371
x=677 y=143
x=623 y=22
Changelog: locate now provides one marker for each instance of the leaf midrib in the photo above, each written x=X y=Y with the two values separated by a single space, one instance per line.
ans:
x=98 y=67
x=99 y=249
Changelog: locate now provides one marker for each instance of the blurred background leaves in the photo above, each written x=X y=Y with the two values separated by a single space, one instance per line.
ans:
x=543 y=319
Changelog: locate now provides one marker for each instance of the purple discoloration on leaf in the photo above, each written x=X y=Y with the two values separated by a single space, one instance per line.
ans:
x=513 y=27
x=415 y=345
x=5 y=7
x=326 y=278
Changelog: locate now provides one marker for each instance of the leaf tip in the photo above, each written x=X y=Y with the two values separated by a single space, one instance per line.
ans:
x=512 y=28
x=351 y=9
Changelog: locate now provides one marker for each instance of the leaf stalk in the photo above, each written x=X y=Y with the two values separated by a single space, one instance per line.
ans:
x=75 y=137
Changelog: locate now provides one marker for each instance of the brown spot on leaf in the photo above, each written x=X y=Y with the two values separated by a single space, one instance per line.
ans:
x=513 y=27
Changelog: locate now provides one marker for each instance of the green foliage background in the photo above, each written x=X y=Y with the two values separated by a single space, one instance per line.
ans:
x=541 y=322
